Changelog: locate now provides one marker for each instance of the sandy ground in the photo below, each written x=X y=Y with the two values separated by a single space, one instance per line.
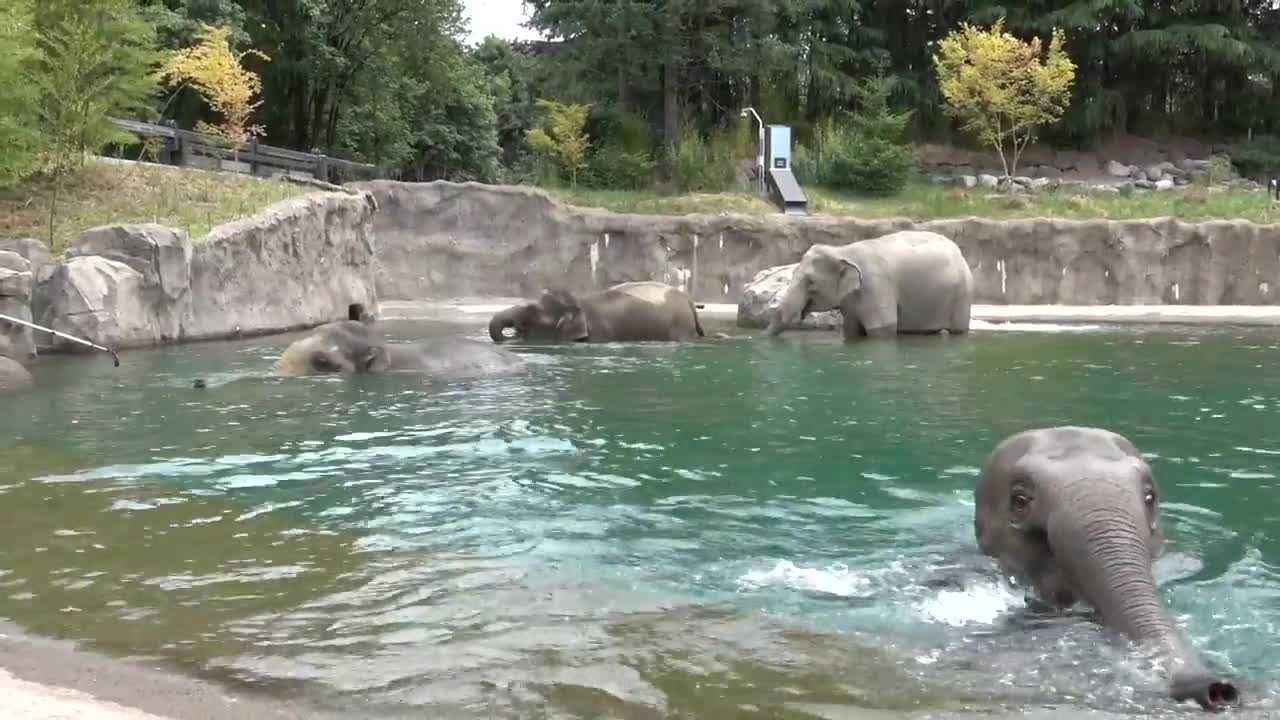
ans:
x=1266 y=315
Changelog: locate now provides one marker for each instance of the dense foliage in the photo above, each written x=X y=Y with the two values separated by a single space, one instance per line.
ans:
x=391 y=82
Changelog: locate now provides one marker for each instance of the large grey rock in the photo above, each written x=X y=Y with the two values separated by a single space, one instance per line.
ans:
x=991 y=182
x=160 y=254
x=13 y=375
x=100 y=300
x=969 y=181
x=297 y=264
x=35 y=252
x=1164 y=185
x=15 y=302
x=1116 y=169
x=1155 y=173
x=761 y=296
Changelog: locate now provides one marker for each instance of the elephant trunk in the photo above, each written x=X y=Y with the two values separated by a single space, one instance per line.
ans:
x=1103 y=542
x=500 y=322
x=794 y=302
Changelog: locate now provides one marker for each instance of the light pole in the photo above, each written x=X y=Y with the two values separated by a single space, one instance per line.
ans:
x=759 y=144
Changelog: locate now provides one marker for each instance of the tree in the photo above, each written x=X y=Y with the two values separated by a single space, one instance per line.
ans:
x=562 y=135
x=215 y=70
x=20 y=137
x=999 y=87
x=97 y=60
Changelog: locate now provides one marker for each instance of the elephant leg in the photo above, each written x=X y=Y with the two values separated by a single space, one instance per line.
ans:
x=961 y=310
x=852 y=326
x=877 y=317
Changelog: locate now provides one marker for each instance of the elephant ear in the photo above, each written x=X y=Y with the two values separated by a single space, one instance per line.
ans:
x=850 y=276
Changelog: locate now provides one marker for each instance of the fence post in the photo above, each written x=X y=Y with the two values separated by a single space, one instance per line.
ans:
x=253 y=157
x=322 y=168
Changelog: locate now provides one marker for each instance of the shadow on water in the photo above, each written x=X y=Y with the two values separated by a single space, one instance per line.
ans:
x=738 y=527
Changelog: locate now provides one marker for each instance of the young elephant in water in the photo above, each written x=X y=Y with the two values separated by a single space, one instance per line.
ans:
x=631 y=311
x=1075 y=512
x=13 y=374
x=351 y=346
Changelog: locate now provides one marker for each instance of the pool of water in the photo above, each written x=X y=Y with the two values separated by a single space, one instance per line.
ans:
x=731 y=528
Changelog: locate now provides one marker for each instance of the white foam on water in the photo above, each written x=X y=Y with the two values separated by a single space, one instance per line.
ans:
x=987 y=325
x=835 y=579
x=983 y=603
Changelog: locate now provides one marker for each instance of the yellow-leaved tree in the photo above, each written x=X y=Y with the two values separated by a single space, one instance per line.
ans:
x=1002 y=89
x=215 y=69
x=563 y=135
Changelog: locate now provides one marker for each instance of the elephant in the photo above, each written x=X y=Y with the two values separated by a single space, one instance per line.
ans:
x=14 y=375
x=352 y=346
x=1074 y=512
x=630 y=311
x=908 y=282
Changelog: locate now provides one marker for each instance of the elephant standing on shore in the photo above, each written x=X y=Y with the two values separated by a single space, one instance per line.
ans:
x=630 y=311
x=351 y=346
x=14 y=375
x=1075 y=512
x=909 y=282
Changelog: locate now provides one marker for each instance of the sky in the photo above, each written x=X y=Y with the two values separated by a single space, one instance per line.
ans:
x=496 y=17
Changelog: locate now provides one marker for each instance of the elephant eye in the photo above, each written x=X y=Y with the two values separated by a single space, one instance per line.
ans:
x=323 y=363
x=1019 y=502
x=1149 y=499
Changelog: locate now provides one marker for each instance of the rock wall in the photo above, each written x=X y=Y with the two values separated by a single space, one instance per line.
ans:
x=440 y=239
x=297 y=264
x=16 y=283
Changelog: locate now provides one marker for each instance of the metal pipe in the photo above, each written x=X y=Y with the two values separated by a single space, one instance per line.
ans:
x=65 y=336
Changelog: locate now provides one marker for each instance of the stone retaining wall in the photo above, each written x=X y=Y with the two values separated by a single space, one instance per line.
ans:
x=299 y=263
x=440 y=239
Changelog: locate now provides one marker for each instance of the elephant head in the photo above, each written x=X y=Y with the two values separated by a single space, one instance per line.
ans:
x=821 y=281
x=1076 y=512
x=347 y=346
x=556 y=316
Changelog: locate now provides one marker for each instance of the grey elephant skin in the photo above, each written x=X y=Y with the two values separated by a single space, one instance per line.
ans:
x=909 y=282
x=1075 y=512
x=14 y=375
x=631 y=311
x=352 y=346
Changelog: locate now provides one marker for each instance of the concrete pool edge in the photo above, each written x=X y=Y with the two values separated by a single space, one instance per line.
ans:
x=1222 y=315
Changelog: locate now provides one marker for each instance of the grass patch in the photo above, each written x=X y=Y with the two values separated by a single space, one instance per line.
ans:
x=647 y=202
x=105 y=192
x=924 y=201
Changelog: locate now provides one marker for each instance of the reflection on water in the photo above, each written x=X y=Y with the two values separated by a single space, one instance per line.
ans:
x=738 y=527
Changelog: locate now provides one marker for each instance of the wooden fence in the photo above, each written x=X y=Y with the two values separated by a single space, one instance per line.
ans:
x=193 y=149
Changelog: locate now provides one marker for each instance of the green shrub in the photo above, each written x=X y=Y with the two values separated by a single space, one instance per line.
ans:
x=613 y=168
x=1258 y=159
x=863 y=152
x=699 y=166
x=844 y=159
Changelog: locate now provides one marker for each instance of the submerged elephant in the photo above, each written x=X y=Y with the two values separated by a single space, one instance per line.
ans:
x=13 y=374
x=351 y=346
x=909 y=282
x=1075 y=512
x=630 y=311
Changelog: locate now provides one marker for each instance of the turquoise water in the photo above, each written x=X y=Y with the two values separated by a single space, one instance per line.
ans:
x=732 y=528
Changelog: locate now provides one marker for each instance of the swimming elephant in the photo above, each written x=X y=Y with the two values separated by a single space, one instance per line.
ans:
x=1075 y=512
x=351 y=346
x=629 y=311
x=909 y=282
x=13 y=374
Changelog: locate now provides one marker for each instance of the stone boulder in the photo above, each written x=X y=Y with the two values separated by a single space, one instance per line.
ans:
x=100 y=300
x=297 y=264
x=162 y=255
x=15 y=301
x=1115 y=169
x=761 y=296
x=35 y=252
x=13 y=375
